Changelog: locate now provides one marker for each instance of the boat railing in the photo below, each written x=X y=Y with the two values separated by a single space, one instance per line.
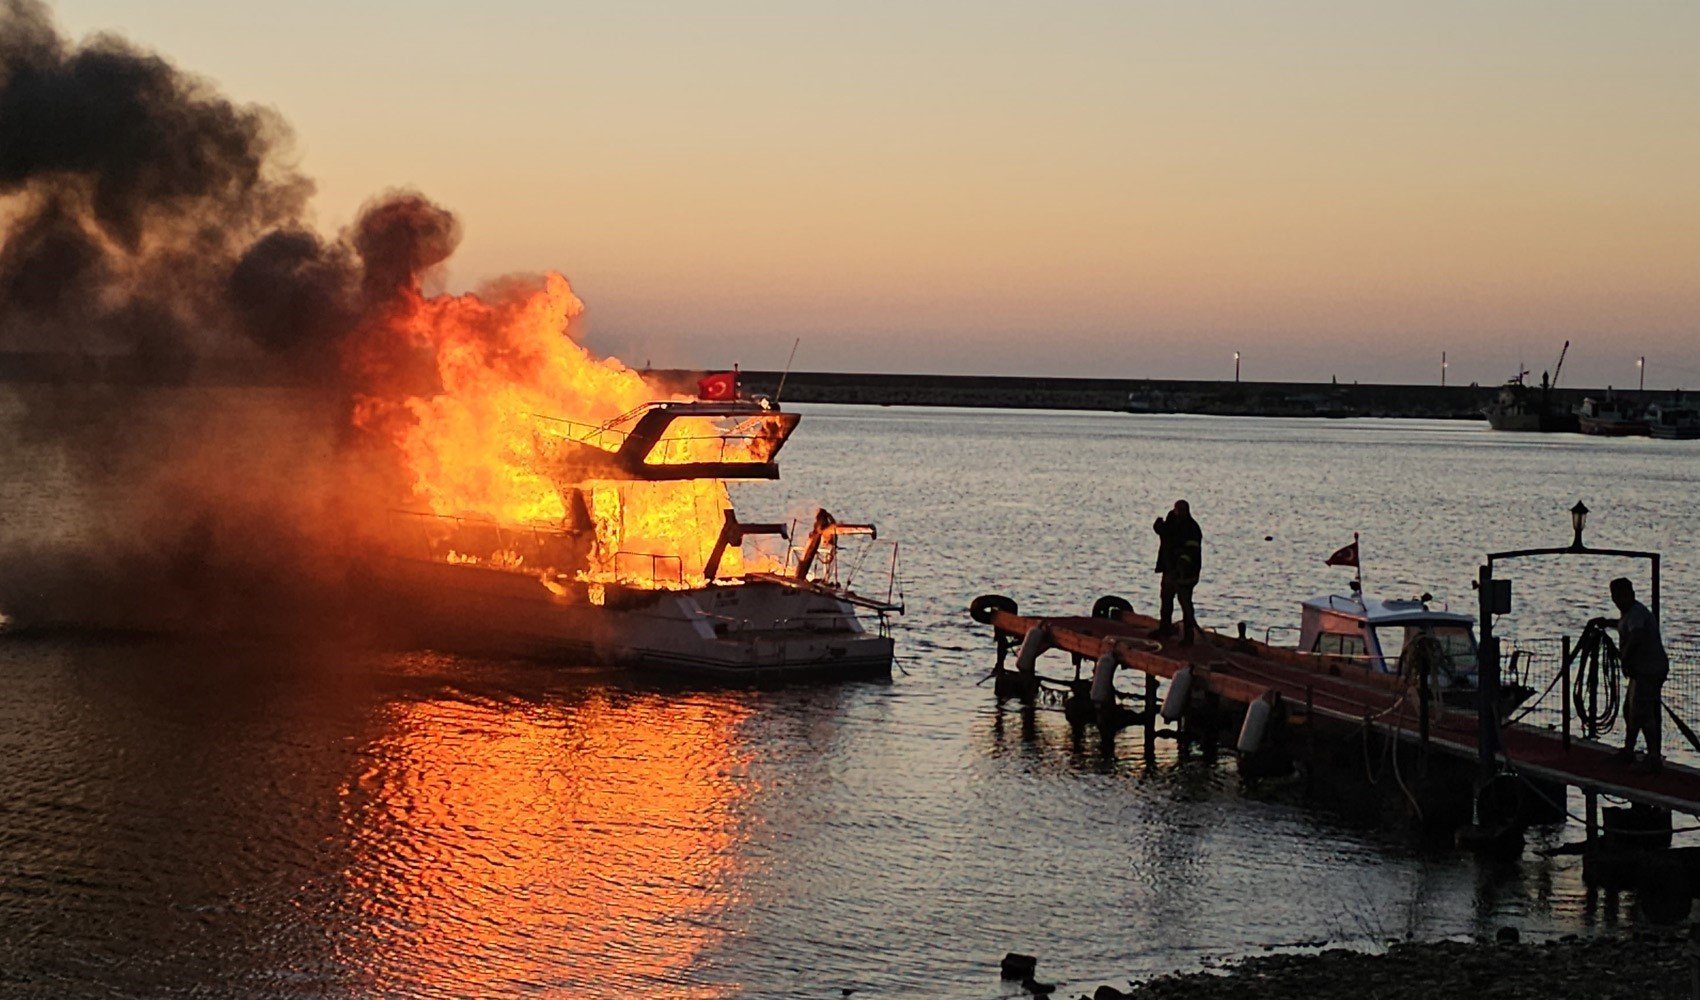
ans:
x=675 y=440
x=1368 y=661
x=731 y=446
x=606 y=436
x=835 y=622
x=1569 y=698
x=829 y=572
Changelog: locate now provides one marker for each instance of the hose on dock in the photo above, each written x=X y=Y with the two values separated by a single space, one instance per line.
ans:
x=1595 y=670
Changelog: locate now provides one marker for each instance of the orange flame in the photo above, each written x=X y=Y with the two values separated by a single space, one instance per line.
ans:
x=508 y=376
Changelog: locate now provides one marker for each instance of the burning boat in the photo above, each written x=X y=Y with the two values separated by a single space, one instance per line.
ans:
x=646 y=566
x=562 y=505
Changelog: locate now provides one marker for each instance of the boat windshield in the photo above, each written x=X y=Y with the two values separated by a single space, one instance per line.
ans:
x=1457 y=644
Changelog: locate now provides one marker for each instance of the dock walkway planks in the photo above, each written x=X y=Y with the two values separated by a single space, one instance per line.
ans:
x=1241 y=671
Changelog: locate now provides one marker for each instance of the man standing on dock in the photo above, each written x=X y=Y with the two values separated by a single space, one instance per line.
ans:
x=1642 y=652
x=1180 y=553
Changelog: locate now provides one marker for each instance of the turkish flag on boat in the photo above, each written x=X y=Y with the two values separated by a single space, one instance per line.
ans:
x=1347 y=556
x=719 y=386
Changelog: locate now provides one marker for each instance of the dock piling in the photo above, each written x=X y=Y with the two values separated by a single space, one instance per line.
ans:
x=1310 y=739
x=1564 y=686
x=1694 y=960
x=1151 y=715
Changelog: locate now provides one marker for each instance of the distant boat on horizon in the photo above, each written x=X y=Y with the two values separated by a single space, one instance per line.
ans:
x=1610 y=416
x=1522 y=407
x=1675 y=421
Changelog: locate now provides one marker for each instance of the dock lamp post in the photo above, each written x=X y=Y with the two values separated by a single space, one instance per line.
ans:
x=1495 y=599
x=1236 y=366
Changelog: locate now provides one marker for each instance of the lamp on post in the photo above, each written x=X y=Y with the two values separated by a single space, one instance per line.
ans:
x=1578 y=521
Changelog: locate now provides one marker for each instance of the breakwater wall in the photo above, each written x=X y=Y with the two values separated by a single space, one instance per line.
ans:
x=1270 y=399
x=1224 y=398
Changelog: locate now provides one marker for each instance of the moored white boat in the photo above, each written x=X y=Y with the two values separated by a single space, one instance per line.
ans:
x=1400 y=638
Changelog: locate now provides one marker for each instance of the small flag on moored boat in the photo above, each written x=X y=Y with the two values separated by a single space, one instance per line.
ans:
x=719 y=386
x=1347 y=556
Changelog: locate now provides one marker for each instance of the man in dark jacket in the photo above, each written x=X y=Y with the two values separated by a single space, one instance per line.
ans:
x=1180 y=553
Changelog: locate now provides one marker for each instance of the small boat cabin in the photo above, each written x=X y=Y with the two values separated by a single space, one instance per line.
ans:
x=1374 y=633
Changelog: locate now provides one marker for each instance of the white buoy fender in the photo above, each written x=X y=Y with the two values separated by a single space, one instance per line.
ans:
x=1180 y=693
x=1104 y=678
x=1037 y=641
x=1256 y=724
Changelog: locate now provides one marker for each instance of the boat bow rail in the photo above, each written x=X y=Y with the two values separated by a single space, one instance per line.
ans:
x=884 y=607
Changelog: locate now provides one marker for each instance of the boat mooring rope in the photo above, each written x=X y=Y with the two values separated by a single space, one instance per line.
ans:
x=1536 y=701
x=1595 y=671
x=1390 y=746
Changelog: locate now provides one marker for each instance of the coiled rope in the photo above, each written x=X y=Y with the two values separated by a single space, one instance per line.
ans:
x=1424 y=656
x=1595 y=671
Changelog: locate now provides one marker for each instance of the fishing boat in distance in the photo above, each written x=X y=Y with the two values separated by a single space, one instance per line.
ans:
x=1610 y=416
x=647 y=566
x=1674 y=421
x=1522 y=407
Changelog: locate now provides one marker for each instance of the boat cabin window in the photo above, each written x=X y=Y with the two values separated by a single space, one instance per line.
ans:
x=1335 y=644
x=1458 y=645
x=1391 y=639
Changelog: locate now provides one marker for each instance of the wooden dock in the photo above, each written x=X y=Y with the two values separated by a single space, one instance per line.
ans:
x=1340 y=697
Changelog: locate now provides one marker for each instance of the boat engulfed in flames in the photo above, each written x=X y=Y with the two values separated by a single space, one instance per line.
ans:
x=642 y=561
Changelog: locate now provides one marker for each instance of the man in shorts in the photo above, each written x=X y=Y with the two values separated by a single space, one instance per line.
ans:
x=1642 y=653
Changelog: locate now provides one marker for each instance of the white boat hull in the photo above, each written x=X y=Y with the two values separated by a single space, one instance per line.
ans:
x=734 y=631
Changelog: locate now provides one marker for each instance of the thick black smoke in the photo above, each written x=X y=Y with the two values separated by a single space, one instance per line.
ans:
x=148 y=220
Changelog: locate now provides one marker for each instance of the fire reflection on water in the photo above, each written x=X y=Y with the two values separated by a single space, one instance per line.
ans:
x=489 y=840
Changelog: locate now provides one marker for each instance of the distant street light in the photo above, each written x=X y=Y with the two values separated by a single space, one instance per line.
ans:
x=1236 y=366
x=1641 y=369
x=1443 y=369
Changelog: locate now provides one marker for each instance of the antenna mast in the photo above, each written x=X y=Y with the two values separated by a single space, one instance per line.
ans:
x=787 y=372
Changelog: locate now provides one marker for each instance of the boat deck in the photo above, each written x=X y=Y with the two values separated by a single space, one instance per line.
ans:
x=1243 y=670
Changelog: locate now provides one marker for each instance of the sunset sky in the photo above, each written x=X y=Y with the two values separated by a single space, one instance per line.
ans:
x=1120 y=189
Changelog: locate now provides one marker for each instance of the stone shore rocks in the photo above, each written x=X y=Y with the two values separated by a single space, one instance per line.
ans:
x=1627 y=967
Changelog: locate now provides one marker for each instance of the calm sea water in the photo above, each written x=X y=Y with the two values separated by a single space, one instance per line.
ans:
x=281 y=818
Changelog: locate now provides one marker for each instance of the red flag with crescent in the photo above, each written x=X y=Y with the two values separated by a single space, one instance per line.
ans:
x=719 y=387
x=1347 y=556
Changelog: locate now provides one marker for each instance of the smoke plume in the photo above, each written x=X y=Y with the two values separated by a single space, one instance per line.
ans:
x=148 y=218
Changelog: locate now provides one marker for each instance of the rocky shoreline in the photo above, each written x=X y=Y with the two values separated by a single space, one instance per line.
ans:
x=1641 y=966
